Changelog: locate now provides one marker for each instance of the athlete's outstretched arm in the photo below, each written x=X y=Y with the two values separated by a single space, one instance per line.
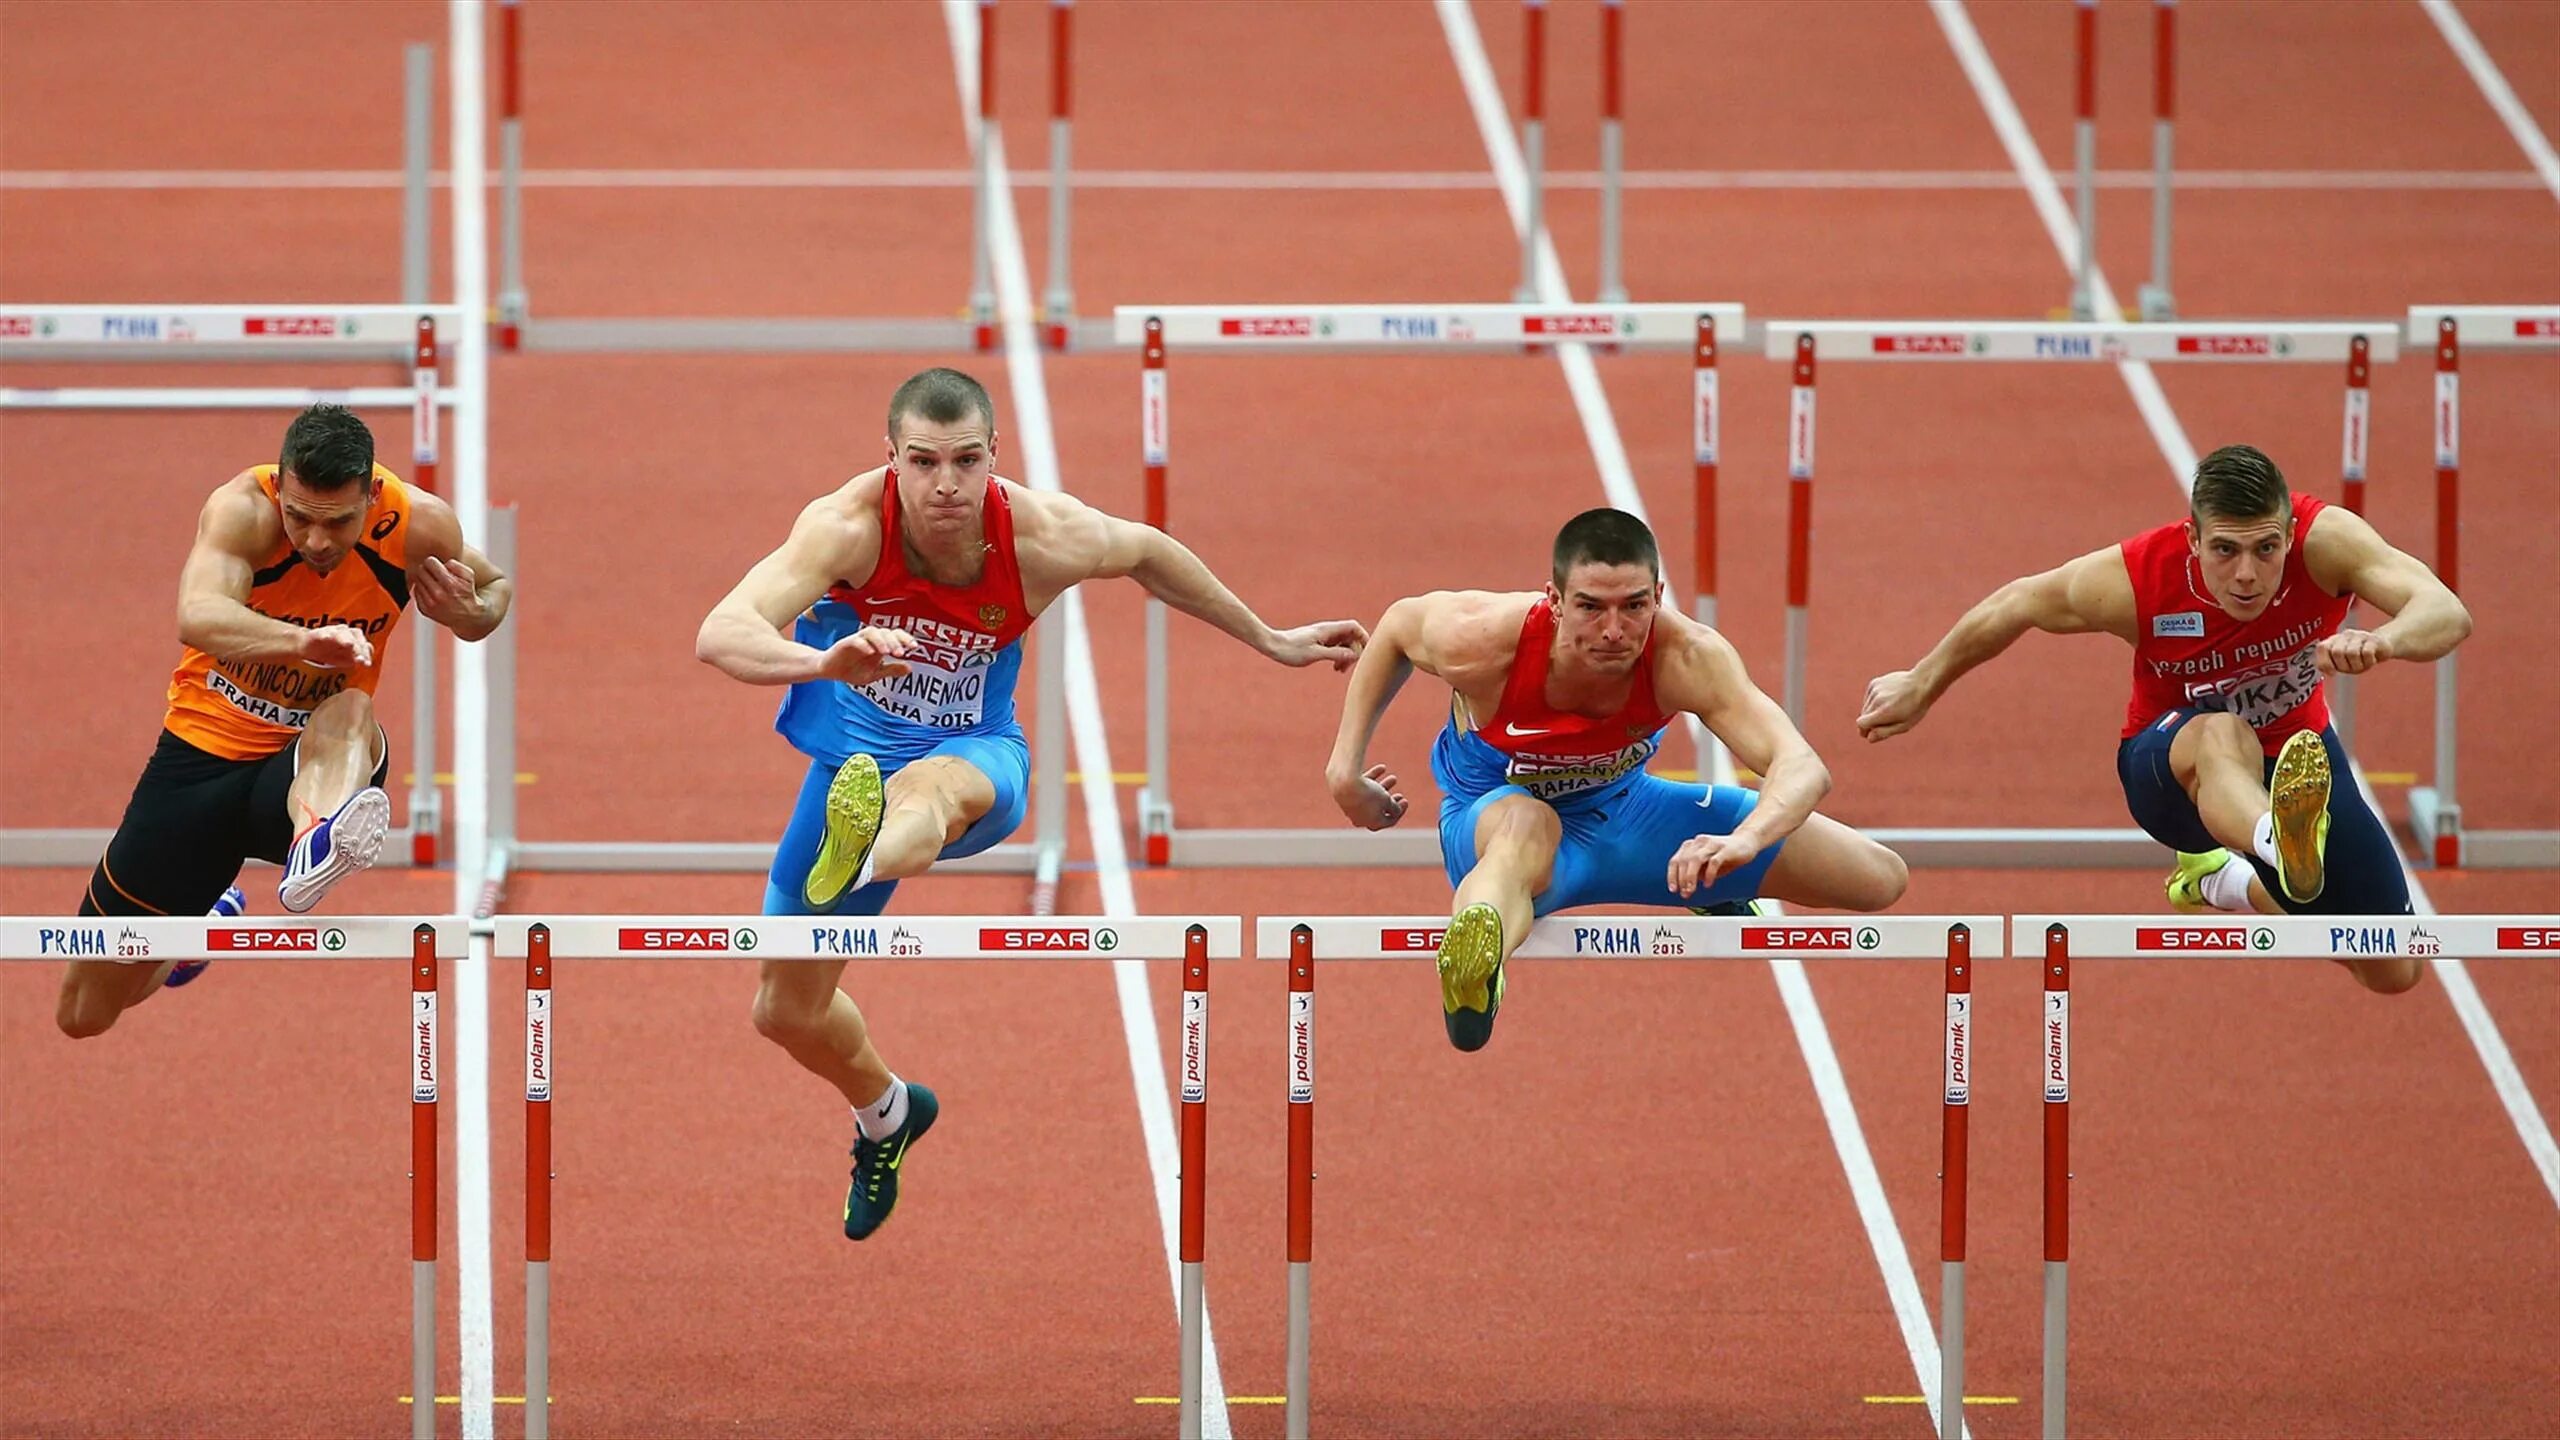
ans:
x=743 y=635
x=1704 y=675
x=451 y=583
x=213 y=592
x=2091 y=593
x=1367 y=793
x=2348 y=556
x=1105 y=546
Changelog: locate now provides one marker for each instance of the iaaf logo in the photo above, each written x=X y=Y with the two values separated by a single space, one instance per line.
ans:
x=1405 y=942
x=1048 y=938
x=1810 y=937
x=2217 y=938
x=1604 y=326
x=306 y=327
x=654 y=939
x=2234 y=345
x=276 y=939
x=2529 y=937
x=1926 y=344
x=1302 y=1049
x=1284 y=327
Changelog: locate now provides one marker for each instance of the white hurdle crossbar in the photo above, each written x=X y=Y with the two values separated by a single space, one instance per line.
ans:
x=1194 y=941
x=2354 y=346
x=1156 y=330
x=2435 y=812
x=415 y=335
x=422 y=943
x=1956 y=941
x=2061 y=939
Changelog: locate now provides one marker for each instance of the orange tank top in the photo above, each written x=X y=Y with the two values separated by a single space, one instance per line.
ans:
x=250 y=709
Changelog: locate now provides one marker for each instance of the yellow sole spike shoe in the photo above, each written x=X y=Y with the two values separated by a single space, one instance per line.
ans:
x=1471 y=975
x=854 y=802
x=2186 y=883
x=2301 y=792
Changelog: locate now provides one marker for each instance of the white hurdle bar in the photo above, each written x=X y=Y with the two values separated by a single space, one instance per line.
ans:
x=539 y=941
x=422 y=944
x=2435 y=812
x=2064 y=938
x=1955 y=941
x=1155 y=330
x=2354 y=346
x=413 y=335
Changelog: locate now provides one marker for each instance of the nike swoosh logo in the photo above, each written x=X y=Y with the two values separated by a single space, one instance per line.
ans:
x=1510 y=729
x=901 y=1155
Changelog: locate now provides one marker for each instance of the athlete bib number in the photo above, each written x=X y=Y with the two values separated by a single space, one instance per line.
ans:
x=2262 y=696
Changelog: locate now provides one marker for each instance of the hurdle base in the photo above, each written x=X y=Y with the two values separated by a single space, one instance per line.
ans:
x=2158 y=305
x=80 y=849
x=721 y=858
x=2477 y=849
x=777 y=335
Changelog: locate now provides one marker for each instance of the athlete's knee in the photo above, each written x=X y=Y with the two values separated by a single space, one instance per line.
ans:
x=1517 y=825
x=2215 y=736
x=349 y=712
x=787 y=1019
x=2388 y=974
x=84 y=1014
x=1874 y=877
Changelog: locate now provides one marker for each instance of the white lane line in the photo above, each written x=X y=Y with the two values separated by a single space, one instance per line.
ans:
x=2494 y=88
x=1038 y=435
x=1804 y=1012
x=2504 y=1075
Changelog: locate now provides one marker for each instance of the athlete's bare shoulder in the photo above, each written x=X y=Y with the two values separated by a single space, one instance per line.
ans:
x=839 y=532
x=1467 y=636
x=240 y=519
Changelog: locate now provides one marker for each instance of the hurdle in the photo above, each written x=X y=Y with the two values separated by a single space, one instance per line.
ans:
x=542 y=941
x=1957 y=941
x=2229 y=937
x=973 y=326
x=2157 y=303
x=414 y=335
x=2355 y=346
x=2435 y=812
x=422 y=944
x=1156 y=330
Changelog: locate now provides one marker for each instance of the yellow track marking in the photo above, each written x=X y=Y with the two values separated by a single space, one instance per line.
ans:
x=1923 y=1399
x=445 y=777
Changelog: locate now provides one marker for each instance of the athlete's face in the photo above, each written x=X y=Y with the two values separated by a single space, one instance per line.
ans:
x=324 y=525
x=2242 y=560
x=1604 y=614
x=942 y=471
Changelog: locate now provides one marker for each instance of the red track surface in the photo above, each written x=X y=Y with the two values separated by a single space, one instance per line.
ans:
x=2301 y=1208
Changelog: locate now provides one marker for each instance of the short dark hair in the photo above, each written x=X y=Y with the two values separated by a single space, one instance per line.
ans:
x=941 y=395
x=2238 y=482
x=1605 y=537
x=327 y=448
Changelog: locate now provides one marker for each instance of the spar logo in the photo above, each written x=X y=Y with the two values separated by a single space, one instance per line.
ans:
x=1602 y=327
x=2529 y=937
x=1406 y=942
x=17 y=327
x=1302 y=1048
x=276 y=939
x=1049 y=939
x=294 y=327
x=2531 y=327
x=1810 y=937
x=2241 y=345
x=684 y=939
x=1941 y=344
x=2216 y=939
x=1195 y=1047
x=1270 y=327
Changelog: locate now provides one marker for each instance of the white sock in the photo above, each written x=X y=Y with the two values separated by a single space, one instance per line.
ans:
x=2263 y=839
x=2228 y=887
x=861 y=878
x=881 y=1118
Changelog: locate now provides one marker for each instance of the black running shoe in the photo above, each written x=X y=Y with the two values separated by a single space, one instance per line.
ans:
x=874 y=1192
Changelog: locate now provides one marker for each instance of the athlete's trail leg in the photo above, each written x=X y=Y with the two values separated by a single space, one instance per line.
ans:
x=799 y=1008
x=924 y=807
x=1827 y=864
